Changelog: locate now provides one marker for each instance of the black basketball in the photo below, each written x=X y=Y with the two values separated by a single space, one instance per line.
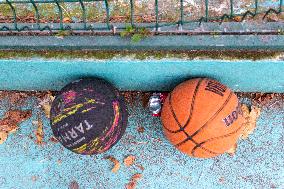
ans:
x=88 y=116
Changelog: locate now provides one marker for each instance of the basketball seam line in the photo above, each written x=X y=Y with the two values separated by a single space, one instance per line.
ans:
x=214 y=138
x=196 y=143
x=192 y=104
x=214 y=116
x=174 y=115
x=209 y=120
x=191 y=109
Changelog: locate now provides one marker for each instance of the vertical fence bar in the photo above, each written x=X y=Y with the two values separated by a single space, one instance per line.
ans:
x=37 y=14
x=232 y=8
x=157 y=15
x=181 y=12
x=256 y=6
x=206 y=10
x=132 y=13
x=60 y=14
x=280 y=6
x=83 y=14
x=107 y=14
x=14 y=14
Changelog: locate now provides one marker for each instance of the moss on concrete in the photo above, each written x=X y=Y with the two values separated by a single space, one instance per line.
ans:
x=141 y=55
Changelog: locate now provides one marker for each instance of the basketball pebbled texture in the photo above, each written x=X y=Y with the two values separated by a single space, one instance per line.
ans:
x=202 y=118
x=88 y=116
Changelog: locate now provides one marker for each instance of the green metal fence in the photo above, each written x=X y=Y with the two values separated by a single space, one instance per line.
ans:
x=12 y=18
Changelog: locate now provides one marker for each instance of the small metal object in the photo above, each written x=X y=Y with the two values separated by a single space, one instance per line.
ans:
x=155 y=103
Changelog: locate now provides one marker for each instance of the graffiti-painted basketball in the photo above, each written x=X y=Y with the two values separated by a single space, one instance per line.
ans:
x=88 y=116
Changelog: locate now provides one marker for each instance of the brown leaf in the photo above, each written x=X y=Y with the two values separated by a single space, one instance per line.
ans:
x=133 y=181
x=10 y=122
x=232 y=150
x=140 y=167
x=136 y=177
x=39 y=131
x=129 y=160
x=3 y=94
x=131 y=185
x=250 y=120
x=145 y=99
x=3 y=136
x=15 y=117
x=141 y=129
x=116 y=163
x=17 y=98
x=53 y=139
x=46 y=103
x=8 y=128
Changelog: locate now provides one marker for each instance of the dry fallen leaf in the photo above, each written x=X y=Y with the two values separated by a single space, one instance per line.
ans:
x=66 y=20
x=46 y=104
x=140 y=167
x=10 y=122
x=133 y=181
x=53 y=139
x=250 y=120
x=136 y=177
x=232 y=150
x=141 y=129
x=8 y=128
x=249 y=125
x=39 y=131
x=14 y=117
x=115 y=162
x=3 y=94
x=17 y=98
x=130 y=185
x=3 y=136
x=129 y=160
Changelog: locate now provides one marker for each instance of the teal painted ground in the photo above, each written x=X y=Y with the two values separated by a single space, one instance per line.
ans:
x=147 y=75
x=257 y=164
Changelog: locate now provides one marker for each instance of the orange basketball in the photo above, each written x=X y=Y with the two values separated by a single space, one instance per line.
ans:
x=202 y=118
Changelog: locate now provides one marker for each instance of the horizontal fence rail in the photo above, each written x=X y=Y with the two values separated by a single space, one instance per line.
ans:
x=105 y=16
